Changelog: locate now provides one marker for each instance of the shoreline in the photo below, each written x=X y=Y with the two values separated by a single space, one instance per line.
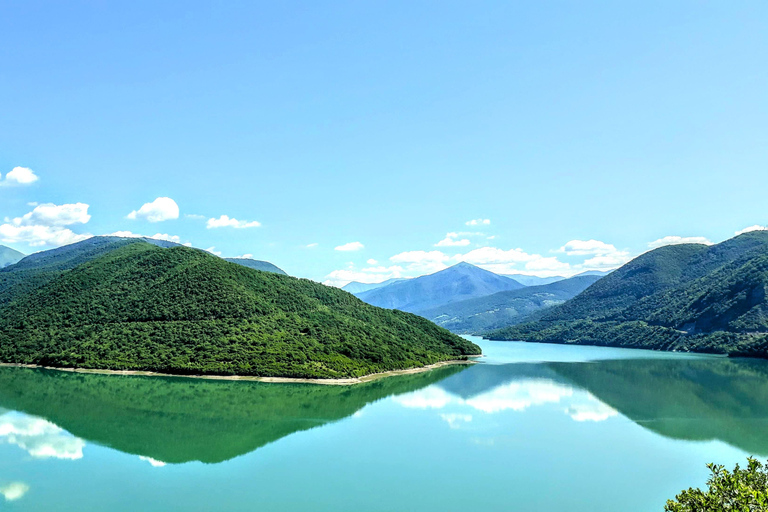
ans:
x=275 y=380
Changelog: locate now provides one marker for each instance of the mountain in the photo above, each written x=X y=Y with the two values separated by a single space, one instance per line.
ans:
x=264 y=266
x=687 y=297
x=356 y=288
x=9 y=256
x=180 y=310
x=459 y=282
x=533 y=280
x=505 y=308
x=599 y=273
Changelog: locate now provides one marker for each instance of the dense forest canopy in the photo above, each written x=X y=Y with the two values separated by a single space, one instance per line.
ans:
x=684 y=297
x=131 y=305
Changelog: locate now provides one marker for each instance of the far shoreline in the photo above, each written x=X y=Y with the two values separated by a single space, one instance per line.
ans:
x=248 y=378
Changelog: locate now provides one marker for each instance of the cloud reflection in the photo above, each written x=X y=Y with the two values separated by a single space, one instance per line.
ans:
x=14 y=491
x=514 y=396
x=40 y=438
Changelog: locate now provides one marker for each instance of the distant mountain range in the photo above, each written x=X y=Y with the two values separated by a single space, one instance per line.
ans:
x=538 y=281
x=459 y=282
x=264 y=266
x=506 y=308
x=687 y=297
x=9 y=256
x=356 y=287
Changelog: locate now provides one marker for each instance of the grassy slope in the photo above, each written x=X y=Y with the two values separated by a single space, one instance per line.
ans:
x=181 y=310
x=505 y=308
x=686 y=297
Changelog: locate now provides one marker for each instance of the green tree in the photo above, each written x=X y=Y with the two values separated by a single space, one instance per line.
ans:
x=743 y=490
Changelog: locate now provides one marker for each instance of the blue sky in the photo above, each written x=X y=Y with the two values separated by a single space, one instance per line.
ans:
x=581 y=131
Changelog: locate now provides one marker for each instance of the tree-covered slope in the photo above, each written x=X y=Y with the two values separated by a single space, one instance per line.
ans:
x=505 y=308
x=264 y=266
x=459 y=282
x=182 y=310
x=9 y=256
x=684 y=297
x=40 y=268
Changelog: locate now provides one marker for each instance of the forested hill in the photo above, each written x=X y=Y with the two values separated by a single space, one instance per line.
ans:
x=683 y=297
x=503 y=309
x=182 y=310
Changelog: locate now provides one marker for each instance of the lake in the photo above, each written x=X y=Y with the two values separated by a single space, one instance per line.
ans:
x=531 y=427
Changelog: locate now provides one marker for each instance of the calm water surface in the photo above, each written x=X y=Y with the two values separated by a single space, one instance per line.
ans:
x=530 y=428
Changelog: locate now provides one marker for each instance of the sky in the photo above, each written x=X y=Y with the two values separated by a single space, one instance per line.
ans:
x=368 y=140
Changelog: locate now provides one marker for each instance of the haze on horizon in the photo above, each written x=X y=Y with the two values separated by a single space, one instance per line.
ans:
x=368 y=141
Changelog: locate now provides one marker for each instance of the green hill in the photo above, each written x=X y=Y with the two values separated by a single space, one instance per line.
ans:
x=684 y=297
x=264 y=266
x=180 y=310
x=9 y=256
x=505 y=308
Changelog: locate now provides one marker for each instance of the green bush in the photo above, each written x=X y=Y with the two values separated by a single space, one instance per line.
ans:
x=743 y=490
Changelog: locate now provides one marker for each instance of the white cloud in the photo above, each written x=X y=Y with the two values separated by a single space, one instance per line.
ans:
x=485 y=255
x=19 y=176
x=50 y=214
x=40 y=438
x=351 y=246
x=14 y=491
x=478 y=222
x=587 y=248
x=37 y=236
x=45 y=225
x=452 y=240
x=606 y=262
x=756 y=227
x=550 y=264
x=226 y=222
x=312 y=245
x=677 y=240
x=604 y=256
x=372 y=262
x=194 y=216
x=156 y=236
x=421 y=261
x=162 y=208
x=244 y=257
x=213 y=250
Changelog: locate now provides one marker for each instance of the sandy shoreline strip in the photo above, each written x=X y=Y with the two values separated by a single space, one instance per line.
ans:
x=328 y=382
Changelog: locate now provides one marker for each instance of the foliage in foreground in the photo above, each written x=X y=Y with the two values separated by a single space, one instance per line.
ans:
x=743 y=490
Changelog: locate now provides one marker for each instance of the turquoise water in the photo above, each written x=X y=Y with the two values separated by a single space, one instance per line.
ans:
x=531 y=427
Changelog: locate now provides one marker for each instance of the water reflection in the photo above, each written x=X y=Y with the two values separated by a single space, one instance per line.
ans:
x=704 y=399
x=165 y=421
x=170 y=420
x=14 y=490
